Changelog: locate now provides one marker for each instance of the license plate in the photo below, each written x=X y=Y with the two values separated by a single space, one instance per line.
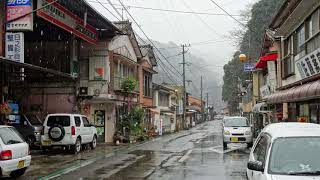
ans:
x=234 y=139
x=21 y=164
x=46 y=143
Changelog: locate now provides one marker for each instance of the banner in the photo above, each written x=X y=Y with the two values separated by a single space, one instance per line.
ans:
x=65 y=19
x=18 y=8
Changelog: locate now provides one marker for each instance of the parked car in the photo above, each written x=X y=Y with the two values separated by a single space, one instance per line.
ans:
x=30 y=127
x=14 y=153
x=236 y=130
x=68 y=130
x=286 y=151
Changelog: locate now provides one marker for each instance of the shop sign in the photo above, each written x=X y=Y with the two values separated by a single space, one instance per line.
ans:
x=18 y=8
x=15 y=47
x=99 y=73
x=248 y=67
x=62 y=17
x=309 y=65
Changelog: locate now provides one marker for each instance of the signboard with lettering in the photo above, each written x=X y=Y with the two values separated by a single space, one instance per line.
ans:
x=18 y=8
x=248 y=67
x=15 y=47
x=265 y=91
x=309 y=65
x=62 y=17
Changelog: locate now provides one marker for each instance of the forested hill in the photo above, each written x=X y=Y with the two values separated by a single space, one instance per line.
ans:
x=262 y=13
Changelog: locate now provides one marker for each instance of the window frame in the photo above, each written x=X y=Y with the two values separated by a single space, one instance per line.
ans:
x=75 y=121
x=266 y=149
x=85 y=121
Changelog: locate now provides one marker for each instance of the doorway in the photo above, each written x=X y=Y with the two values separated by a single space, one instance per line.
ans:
x=99 y=120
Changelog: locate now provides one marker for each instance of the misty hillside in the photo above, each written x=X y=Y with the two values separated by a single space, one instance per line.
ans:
x=195 y=68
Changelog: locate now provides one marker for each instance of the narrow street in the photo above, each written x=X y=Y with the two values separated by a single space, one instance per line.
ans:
x=192 y=154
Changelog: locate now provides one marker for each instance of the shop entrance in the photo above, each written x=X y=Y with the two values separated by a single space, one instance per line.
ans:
x=99 y=120
x=314 y=113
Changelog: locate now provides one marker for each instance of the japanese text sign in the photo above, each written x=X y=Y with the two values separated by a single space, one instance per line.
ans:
x=15 y=47
x=248 y=67
x=309 y=65
x=16 y=9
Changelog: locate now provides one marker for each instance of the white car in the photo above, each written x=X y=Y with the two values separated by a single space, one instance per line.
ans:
x=68 y=130
x=286 y=151
x=236 y=130
x=14 y=153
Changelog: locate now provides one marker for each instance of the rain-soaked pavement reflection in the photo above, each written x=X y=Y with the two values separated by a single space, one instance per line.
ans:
x=194 y=154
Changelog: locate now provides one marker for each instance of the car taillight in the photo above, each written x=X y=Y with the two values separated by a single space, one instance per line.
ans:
x=6 y=155
x=42 y=130
x=73 y=130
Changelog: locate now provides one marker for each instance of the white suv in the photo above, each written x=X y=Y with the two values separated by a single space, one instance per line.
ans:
x=68 y=130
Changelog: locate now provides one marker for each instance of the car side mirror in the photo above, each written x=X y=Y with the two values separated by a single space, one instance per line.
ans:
x=255 y=166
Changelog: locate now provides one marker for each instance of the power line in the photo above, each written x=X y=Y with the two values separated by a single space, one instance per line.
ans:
x=228 y=13
x=171 y=10
x=161 y=66
x=200 y=18
x=148 y=38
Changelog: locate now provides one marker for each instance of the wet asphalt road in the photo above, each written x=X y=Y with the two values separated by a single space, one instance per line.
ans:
x=188 y=155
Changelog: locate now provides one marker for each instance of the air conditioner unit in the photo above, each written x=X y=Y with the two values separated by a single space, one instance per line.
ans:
x=83 y=91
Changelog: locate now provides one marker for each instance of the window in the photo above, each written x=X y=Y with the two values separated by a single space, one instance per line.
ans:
x=85 y=122
x=287 y=46
x=9 y=135
x=295 y=155
x=163 y=99
x=84 y=69
x=235 y=122
x=58 y=120
x=260 y=150
x=147 y=88
x=299 y=40
x=287 y=66
x=77 y=121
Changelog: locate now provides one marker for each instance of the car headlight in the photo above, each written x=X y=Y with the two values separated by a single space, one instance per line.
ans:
x=226 y=133
x=247 y=133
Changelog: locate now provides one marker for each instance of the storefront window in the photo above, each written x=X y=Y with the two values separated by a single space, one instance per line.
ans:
x=303 y=112
x=313 y=113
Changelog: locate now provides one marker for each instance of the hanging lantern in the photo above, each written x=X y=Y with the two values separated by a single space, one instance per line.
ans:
x=242 y=57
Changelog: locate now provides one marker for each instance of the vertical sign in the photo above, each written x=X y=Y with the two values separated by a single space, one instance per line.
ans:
x=16 y=9
x=15 y=47
x=161 y=127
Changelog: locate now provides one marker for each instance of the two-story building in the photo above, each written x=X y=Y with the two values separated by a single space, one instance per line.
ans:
x=164 y=120
x=296 y=25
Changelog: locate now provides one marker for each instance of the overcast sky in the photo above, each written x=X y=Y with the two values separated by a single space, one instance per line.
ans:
x=186 y=28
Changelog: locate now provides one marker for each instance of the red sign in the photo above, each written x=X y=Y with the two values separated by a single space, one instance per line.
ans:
x=62 y=17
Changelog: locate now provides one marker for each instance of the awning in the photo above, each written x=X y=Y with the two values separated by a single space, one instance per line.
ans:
x=298 y=93
x=260 y=108
x=264 y=59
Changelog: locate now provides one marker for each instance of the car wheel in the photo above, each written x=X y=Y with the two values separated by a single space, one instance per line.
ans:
x=77 y=146
x=225 y=145
x=250 y=144
x=93 y=144
x=17 y=173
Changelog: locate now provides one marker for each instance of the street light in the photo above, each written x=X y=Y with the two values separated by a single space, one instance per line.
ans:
x=242 y=57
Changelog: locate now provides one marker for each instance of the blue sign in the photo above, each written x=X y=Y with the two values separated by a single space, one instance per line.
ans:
x=248 y=67
x=18 y=2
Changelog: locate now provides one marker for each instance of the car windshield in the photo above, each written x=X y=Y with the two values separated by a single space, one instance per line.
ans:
x=236 y=122
x=10 y=135
x=295 y=156
x=58 y=121
x=33 y=119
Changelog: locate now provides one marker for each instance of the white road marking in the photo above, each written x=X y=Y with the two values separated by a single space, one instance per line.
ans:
x=185 y=157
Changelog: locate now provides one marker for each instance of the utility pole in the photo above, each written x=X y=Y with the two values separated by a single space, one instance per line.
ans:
x=184 y=84
x=201 y=89
x=207 y=104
